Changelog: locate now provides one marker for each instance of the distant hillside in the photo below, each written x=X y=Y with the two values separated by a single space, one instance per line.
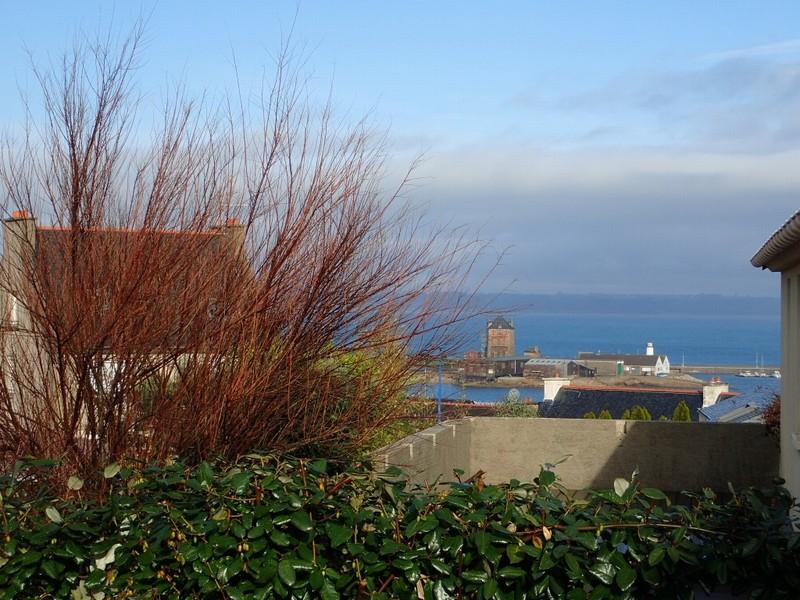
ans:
x=699 y=305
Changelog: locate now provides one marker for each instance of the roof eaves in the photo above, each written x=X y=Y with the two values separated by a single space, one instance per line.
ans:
x=784 y=238
x=130 y=231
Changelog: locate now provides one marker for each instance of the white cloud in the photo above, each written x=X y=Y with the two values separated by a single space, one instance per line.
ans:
x=626 y=220
x=774 y=49
x=713 y=170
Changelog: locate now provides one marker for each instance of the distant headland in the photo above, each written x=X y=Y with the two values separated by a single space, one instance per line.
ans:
x=634 y=304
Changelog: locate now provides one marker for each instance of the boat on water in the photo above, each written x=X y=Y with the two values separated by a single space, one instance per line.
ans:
x=776 y=374
x=745 y=374
x=762 y=374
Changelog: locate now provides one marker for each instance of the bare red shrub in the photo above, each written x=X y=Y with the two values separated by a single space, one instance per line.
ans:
x=239 y=281
x=772 y=416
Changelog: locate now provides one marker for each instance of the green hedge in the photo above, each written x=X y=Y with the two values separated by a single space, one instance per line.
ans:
x=274 y=528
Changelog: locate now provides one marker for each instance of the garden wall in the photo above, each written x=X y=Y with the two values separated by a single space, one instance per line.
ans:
x=669 y=456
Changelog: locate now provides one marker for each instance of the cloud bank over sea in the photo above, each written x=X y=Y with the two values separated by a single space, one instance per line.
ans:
x=661 y=182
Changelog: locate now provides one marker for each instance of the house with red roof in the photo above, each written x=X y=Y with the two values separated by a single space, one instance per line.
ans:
x=113 y=291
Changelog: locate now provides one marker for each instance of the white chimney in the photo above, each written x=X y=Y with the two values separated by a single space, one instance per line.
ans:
x=712 y=391
x=650 y=350
x=552 y=385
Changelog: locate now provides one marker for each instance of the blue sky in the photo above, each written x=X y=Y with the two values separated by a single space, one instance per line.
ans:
x=610 y=146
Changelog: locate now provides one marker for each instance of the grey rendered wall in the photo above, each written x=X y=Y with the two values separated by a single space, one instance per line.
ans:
x=670 y=456
x=432 y=453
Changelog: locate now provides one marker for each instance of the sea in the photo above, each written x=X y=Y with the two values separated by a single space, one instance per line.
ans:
x=747 y=341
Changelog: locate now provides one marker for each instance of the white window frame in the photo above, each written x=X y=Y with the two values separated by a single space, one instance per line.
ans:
x=14 y=312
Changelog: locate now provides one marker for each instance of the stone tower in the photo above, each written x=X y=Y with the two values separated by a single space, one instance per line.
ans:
x=499 y=338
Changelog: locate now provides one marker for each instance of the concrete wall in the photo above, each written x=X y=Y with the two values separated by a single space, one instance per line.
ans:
x=669 y=456
x=432 y=453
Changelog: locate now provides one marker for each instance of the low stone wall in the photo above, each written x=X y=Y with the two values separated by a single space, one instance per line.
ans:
x=669 y=456
x=432 y=453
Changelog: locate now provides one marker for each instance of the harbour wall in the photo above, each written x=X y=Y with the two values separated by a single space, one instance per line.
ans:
x=723 y=369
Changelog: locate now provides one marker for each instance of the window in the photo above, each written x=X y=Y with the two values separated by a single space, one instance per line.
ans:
x=213 y=308
x=15 y=312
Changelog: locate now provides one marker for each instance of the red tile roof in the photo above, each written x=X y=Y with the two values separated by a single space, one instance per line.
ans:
x=140 y=278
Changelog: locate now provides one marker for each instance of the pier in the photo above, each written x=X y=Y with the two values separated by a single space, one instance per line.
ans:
x=725 y=369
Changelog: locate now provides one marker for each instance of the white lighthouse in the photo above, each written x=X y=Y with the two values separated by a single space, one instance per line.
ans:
x=649 y=351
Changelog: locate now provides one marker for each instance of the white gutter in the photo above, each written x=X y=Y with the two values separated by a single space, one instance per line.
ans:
x=783 y=239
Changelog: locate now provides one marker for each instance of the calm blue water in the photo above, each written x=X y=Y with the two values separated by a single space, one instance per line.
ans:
x=697 y=340
x=483 y=395
x=693 y=339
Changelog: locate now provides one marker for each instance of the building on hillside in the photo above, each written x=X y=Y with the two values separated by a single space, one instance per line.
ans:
x=476 y=367
x=572 y=402
x=499 y=338
x=44 y=286
x=781 y=254
x=609 y=365
x=472 y=355
x=555 y=367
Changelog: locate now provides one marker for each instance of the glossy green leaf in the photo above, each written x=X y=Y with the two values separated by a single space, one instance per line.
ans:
x=52 y=568
x=111 y=471
x=205 y=474
x=286 y=572
x=230 y=569
x=510 y=573
x=440 y=567
x=656 y=555
x=302 y=521
x=53 y=514
x=653 y=494
x=515 y=553
x=319 y=466
x=573 y=565
x=651 y=575
x=328 y=592
x=475 y=576
x=489 y=589
x=316 y=580
x=338 y=534
x=625 y=578
x=547 y=478
x=621 y=486
x=750 y=547
x=482 y=541
x=604 y=571
x=239 y=482
x=279 y=538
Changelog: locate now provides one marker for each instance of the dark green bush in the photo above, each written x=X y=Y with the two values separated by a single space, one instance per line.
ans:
x=268 y=527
